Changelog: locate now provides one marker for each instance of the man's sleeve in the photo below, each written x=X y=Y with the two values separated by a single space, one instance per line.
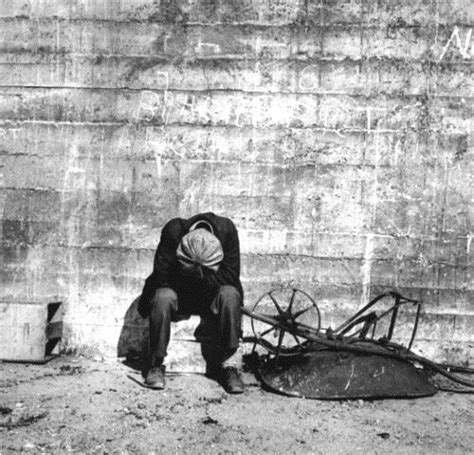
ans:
x=165 y=256
x=229 y=269
x=162 y=268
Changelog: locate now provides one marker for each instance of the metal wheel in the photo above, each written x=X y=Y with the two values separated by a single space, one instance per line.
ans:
x=286 y=309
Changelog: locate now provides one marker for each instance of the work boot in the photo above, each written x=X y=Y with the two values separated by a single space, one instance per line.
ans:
x=231 y=380
x=155 y=378
x=213 y=371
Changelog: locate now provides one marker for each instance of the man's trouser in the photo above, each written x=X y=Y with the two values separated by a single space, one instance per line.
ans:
x=225 y=314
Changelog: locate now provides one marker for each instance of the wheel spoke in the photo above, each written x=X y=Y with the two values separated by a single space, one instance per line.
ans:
x=267 y=331
x=301 y=312
x=280 y=341
x=278 y=307
x=296 y=339
x=290 y=306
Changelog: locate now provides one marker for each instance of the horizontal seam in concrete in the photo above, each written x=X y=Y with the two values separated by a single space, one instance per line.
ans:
x=12 y=124
x=448 y=312
x=152 y=250
x=250 y=59
x=340 y=132
x=289 y=163
x=120 y=324
x=366 y=96
x=247 y=57
x=245 y=24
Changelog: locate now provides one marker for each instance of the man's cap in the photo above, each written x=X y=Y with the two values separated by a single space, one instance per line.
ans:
x=200 y=247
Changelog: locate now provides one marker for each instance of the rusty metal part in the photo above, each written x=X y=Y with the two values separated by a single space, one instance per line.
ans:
x=441 y=382
x=343 y=339
x=382 y=348
x=344 y=375
x=371 y=319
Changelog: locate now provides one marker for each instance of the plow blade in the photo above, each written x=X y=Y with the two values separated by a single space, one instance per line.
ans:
x=336 y=375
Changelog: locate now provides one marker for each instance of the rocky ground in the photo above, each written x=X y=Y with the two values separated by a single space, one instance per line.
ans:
x=78 y=405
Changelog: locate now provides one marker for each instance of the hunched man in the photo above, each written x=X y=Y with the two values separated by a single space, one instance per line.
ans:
x=196 y=271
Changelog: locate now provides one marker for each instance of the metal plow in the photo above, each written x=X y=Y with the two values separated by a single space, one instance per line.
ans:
x=368 y=356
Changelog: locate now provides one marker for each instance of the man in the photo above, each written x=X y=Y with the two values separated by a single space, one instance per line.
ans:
x=196 y=271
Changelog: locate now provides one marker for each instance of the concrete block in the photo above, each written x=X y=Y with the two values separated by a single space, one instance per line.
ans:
x=222 y=144
x=257 y=212
x=411 y=273
x=446 y=299
x=56 y=141
x=14 y=254
x=110 y=288
x=397 y=43
x=446 y=351
x=137 y=236
x=32 y=283
x=395 y=218
x=101 y=261
x=15 y=232
x=446 y=250
x=394 y=75
x=19 y=232
x=338 y=245
x=451 y=76
x=22 y=171
x=437 y=326
x=393 y=246
x=36 y=205
x=264 y=12
x=334 y=12
x=236 y=179
x=303 y=269
x=154 y=209
x=416 y=13
x=463 y=327
x=273 y=241
x=340 y=43
x=77 y=205
x=313 y=146
x=68 y=10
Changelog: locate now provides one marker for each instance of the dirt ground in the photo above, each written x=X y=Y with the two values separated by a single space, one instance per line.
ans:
x=79 y=405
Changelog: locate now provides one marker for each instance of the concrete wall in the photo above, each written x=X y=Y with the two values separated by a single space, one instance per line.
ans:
x=337 y=134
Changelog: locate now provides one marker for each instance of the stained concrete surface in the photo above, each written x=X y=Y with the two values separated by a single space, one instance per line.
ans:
x=336 y=134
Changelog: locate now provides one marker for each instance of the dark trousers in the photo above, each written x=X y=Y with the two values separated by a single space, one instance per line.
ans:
x=224 y=313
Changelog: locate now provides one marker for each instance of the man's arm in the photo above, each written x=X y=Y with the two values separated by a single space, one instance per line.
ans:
x=162 y=266
x=229 y=269
x=165 y=257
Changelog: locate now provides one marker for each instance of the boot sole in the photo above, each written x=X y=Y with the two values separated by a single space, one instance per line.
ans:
x=155 y=386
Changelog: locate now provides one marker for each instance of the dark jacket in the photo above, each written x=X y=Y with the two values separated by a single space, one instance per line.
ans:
x=166 y=272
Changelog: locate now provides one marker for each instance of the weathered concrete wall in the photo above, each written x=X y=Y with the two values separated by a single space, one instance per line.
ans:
x=337 y=134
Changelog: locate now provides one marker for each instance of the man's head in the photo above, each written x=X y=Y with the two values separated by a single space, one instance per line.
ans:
x=197 y=249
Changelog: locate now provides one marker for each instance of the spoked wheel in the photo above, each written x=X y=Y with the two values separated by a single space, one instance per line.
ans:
x=284 y=312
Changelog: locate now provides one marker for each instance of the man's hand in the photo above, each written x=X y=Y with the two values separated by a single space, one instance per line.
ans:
x=192 y=272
